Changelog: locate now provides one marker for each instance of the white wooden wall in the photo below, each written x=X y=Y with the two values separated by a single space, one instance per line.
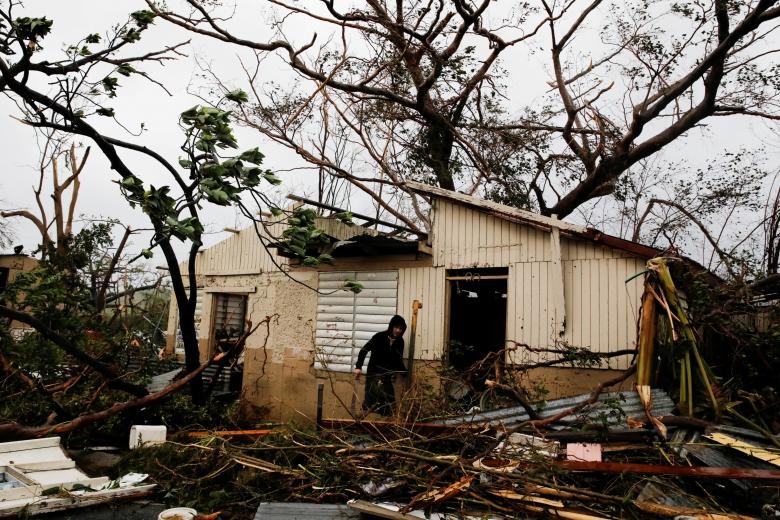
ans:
x=601 y=309
x=240 y=253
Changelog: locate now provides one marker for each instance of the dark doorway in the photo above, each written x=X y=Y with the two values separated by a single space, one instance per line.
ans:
x=477 y=314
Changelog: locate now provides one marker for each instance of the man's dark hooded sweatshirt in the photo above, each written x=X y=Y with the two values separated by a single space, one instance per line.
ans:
x=386 y=353
x=386 y=360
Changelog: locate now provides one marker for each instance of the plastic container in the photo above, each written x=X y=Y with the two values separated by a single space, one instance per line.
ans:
x=146 y=434
x=177 y=513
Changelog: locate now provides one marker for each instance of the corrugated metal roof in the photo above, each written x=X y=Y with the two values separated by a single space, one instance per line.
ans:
x=301 y=511
x=608 y=408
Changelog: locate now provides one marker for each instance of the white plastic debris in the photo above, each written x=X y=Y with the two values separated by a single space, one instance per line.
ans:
x=125 y=481
x=177 y=513
x=144 y=435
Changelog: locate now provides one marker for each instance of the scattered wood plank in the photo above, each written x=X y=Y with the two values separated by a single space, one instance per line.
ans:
x=381 y=511
x=562 y=513
x=73 y=501
x=510 y=494
x=437 y=496
x=681 y=471
x=674 y=511
x=770 y=456
x=230 y=433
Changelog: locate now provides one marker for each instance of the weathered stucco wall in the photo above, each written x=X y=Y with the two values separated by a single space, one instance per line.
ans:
x=16 y=265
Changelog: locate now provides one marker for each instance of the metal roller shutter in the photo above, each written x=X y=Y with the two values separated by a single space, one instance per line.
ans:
x=346 y=321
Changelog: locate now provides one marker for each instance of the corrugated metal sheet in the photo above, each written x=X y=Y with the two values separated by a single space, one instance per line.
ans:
x=612 y=408
x=301 y=511
x=346 y=321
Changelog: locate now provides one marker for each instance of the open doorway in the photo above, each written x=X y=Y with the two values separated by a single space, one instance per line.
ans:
x=477 y=314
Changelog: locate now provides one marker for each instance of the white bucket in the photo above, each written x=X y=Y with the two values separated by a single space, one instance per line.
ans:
x=177 y=513
x=146 y=434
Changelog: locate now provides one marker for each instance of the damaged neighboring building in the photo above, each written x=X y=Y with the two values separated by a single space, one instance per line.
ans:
x=11 y=266
x=488 y=276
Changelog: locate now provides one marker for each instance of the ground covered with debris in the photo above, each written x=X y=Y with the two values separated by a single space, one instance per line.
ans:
x=468 y=470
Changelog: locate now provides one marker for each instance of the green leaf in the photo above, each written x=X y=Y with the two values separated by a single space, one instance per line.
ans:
x=125 y=69
x=147 y=253
x=131 y=35
x=143 y=18
x=239 y=96
x=108 y=112
x=184 y=163
x=255 y=156
x=353 y=285
x=32 y=28
x=344 y=216
x=218 y=197
x=109 y=85
x=92 y=38
x=273 y=179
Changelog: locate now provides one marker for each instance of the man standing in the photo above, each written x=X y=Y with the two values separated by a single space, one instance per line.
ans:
x=387 y=350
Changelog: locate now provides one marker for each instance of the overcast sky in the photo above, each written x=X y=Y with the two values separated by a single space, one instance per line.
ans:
x=140 y=102
x=137 y=102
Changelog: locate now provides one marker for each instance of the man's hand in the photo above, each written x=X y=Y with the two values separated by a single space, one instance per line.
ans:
x=357 y=373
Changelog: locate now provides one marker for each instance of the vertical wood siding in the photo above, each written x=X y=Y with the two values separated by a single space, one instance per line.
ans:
x=241 y=253
x=601 y=309
x=463 y=237
x=426 y=284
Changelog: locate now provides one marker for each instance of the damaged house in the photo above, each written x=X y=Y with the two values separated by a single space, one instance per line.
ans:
x=488 y=276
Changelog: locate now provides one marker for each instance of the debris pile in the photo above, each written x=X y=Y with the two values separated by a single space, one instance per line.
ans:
x=485 y=470
x=36 y=476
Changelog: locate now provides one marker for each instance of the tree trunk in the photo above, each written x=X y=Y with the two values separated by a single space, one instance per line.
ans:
x=440 y=141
